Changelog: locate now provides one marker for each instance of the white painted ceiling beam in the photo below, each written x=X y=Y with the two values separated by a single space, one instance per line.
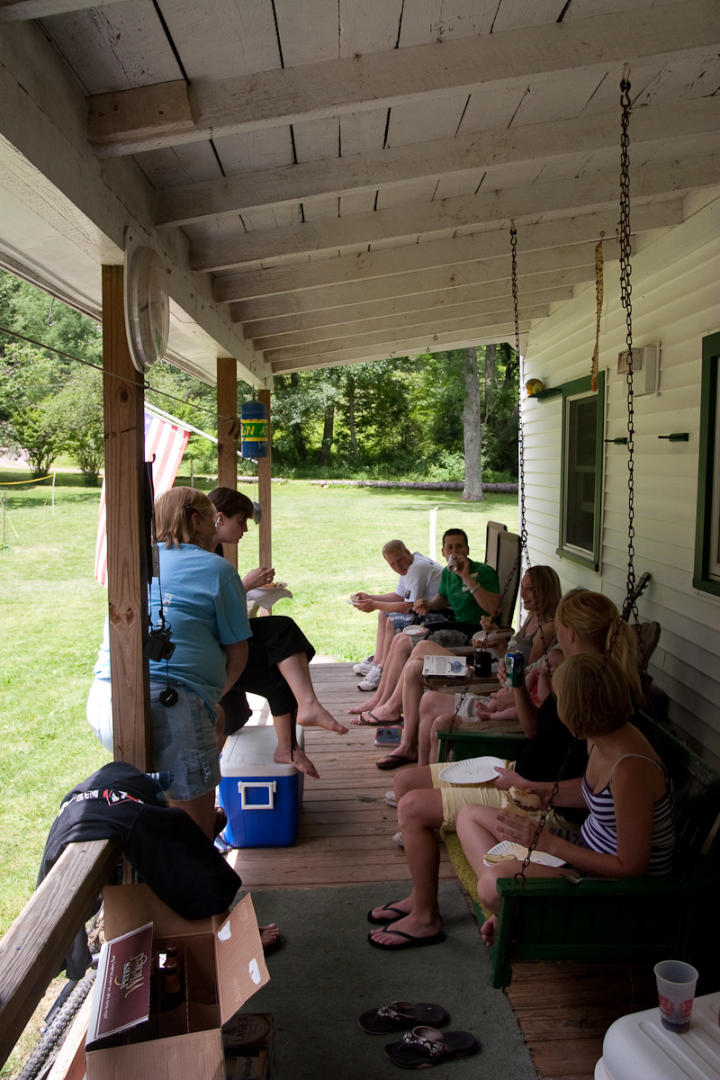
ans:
x=247 y=284
x=409 y=347
x=273 y=332
x=413 y=331
x=486 y=208
x=461 y=154
x=23 y=10
x=416 y=323
x=576 y=257
x=533 y=286
x=414 y=74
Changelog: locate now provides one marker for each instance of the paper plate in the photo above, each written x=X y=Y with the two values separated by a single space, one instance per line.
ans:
x=476 y=770
x=506 y=850
x=416 y=631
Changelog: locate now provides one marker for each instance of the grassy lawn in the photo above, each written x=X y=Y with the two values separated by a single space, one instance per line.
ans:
x=326 y=544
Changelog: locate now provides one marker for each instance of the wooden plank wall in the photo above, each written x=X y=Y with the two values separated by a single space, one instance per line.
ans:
x=674 y=303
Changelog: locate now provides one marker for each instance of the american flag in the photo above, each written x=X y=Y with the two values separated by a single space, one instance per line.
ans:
x=165 y=443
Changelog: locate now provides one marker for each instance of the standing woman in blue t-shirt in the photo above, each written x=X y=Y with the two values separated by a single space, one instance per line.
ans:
x=204 y=605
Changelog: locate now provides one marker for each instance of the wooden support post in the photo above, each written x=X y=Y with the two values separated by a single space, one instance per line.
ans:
x=127 y=572
x=264 y=497
x=228 y=427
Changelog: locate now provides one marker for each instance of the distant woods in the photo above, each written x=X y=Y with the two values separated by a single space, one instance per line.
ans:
x=441 y=416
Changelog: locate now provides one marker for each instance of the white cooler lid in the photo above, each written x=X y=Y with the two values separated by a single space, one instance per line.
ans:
x=637 y=1046
x=250 y=751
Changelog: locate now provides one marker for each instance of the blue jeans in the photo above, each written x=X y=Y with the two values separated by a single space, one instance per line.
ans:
x=183 y=742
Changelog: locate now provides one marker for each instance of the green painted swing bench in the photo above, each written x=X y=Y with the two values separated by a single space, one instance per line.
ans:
x=638 y=920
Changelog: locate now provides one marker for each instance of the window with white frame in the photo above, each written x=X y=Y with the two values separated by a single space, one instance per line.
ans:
x=707 y=526
x=581 y=477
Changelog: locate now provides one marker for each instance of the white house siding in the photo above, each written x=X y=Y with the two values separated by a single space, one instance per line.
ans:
x=676 y=301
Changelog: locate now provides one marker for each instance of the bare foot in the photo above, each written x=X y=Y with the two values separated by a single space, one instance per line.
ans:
x=409 y=925
x=298 y=758
x=314 y=715
x=365 y=707
x=487 y=930
x=380 y=716
x=270 y=936
x=384 y=911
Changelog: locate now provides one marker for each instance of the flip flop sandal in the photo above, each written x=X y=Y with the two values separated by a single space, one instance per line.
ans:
x=424 y=1046
x=399 y=1015
x=394 y=761
x=409 y=941
x=376 y=722
x=383 y=921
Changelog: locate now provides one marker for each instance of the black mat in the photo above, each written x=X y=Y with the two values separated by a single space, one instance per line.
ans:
x=327 y=974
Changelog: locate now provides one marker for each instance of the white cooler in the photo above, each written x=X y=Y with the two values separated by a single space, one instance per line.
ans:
x=638 y=1047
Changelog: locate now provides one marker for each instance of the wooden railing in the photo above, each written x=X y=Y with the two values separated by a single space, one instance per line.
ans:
x=32 y=951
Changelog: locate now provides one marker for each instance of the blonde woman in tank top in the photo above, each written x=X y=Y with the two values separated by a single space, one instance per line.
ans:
x=629 y=829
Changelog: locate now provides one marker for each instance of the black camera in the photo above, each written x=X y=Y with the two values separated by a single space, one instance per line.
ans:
x=158 y=645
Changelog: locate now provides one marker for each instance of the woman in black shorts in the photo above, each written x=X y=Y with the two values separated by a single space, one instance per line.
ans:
x=278 y=654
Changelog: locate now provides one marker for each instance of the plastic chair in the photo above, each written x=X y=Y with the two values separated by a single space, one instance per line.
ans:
x=492 y=535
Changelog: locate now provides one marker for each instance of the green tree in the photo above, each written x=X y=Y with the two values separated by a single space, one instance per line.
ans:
x=29 y=380
x=78 y=409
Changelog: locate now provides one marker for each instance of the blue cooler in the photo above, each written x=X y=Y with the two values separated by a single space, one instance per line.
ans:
x=261 y=798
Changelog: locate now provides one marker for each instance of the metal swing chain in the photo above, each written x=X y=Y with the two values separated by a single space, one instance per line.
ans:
x=520 y=876
x=521 y=383
x=626 y=298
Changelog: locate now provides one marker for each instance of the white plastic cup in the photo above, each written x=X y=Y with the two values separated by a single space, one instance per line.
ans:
x=676 y=982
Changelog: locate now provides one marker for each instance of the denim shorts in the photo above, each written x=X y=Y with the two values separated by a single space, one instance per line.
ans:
x=183 y=742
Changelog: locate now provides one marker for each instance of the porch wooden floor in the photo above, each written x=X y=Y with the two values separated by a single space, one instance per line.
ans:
x=345 y=839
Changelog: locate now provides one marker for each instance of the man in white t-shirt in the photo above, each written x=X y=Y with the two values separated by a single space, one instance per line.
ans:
x=419 y=578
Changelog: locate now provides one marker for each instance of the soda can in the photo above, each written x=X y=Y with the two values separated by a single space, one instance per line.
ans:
x=514 y=669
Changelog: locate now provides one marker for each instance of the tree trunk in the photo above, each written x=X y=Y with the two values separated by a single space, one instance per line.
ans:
x=328 y=432
x=296 y=427
x=351 y=418
x=489 y=379
x=472 y=429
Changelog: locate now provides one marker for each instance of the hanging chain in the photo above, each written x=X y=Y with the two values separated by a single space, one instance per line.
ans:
x=598 y=310
x=626 y=298
x=521 y=384
x=520 y=876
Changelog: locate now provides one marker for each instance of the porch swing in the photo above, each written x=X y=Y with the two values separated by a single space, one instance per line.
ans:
x=626 y=920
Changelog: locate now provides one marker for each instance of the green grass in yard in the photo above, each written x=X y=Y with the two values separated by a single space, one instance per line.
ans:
x=326 y=544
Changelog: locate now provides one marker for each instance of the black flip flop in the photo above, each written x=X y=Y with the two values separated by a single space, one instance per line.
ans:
x=424 y=1046
x=400 y=1015
x=382 y=921
x=409 y=942
x=394 y=761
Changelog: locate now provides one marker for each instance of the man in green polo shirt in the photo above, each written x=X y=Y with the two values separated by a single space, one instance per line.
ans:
x=470 y=588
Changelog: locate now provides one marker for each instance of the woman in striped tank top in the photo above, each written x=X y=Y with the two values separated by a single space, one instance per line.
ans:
x=626 y=788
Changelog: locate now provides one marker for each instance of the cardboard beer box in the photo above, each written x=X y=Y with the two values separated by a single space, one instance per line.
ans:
x=223 y=966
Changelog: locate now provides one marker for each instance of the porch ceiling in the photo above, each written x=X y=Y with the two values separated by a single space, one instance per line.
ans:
x=330 y=181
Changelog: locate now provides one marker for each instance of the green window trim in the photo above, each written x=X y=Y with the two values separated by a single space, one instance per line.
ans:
x=572 y=390
x=708 y=498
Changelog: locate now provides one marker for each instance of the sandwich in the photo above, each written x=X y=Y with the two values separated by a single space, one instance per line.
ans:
x=520 y=801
